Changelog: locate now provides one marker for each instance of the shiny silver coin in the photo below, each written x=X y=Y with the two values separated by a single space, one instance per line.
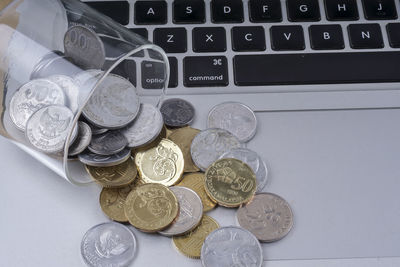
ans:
x=268 y=216
x=108 y=143
x=252 y=159
x=114 y=104
x=208 y=146
x=96 y=130
x=82 y=141
x=108 y=245
x=70 y=89
x=95 y=160
x=190 y=212
x=31 y=97
x=145 y=128
x=48 y=128
x=231 y=246
x=177 y=112
x=85 y=47
x=234 y=117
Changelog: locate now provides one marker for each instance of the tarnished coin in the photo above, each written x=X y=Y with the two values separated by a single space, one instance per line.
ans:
x=31 y=97
x=92 y=159
x=252 y=159
x=70 y=89
x=108 y=244
x=82 y=141
x=112 y=202
x=190 y=212
x=230 y=182
x=237 y=118
x=268 y=216
x=196 y=182
x=177 y=112
x=210 y=144
x=231 y=246
x=114 y=103
x=162 y=164
x=191 y=243
x=151 y=207
x=183 y=137
x=85 y=47
x=108 y=143
x=145 y=128
x=116 y=176
x=48 y=128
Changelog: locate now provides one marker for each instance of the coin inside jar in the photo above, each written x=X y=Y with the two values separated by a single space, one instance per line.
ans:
x=82 y=141
x=183 y=137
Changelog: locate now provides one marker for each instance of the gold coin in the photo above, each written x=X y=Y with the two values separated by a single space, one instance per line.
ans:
x=183 y=137
x=230 y=182
x=191 y=243
x=151 y=207
x=162 y=164
x=168 y=131
x=195 y=181
x=115 y=176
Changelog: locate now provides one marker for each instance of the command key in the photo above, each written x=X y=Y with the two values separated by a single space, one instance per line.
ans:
x=205 y=71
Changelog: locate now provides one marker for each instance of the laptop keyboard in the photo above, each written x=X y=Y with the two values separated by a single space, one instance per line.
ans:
x=237 y=45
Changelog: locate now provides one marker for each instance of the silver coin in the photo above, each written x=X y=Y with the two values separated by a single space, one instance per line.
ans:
x=268 y=216
x=96 y=130
x=177 y=112
x=48 y=128
x=114 y=104
x=145 y=128
x=252 y=159
x=190 y=212
x=70 y=89
x=95 y=160
x=31 y=97
x=231 y=246
x=85 y=47
x=234 y=117
x=108 y=245
x=82 y=141
x=108 y=143
x=208 y=145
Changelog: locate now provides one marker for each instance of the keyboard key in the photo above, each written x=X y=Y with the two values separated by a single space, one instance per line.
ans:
x=209 y=39
x=152 y=75
x=341 y=9
x=173 y=77
x=117 y=10
x=151 y=12
x=265 y=10
x=248 y=38
x=287 y=38
x=205 y=71
x=319 y=68
x=325 y=37
x=141 y=31
x=381 y=9
x=227 y=11
x=303 y=10
x=393 y=30
x=172 y=40
x=189 y=11
x=363 y=36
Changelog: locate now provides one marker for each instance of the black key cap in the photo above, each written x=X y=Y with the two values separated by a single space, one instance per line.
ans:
x=324 y=37
x=341 y=9
x=141 y=31
x=126 y=69
x=172 y=40
x=189 y=11
x=152 y=75
x=210 y=39
x=205 y=71
x=265 y=10
x=287 y=38
x=248 y=38
x=319 y=68
x=227 y=11
x=379 y=9
x=151 y=12
x=393 y=30
x=363 y=36
x=117 y=10
x=303 y=10
x=173 y=76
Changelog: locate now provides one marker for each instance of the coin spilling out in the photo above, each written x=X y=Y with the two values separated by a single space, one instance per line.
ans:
x=82 y=141
x=108 y=143
x=231 y=246
x=268 y=216
x=91 y=159
x=177 y=112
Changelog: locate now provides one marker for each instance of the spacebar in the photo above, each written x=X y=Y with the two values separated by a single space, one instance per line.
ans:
x=321 y=68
